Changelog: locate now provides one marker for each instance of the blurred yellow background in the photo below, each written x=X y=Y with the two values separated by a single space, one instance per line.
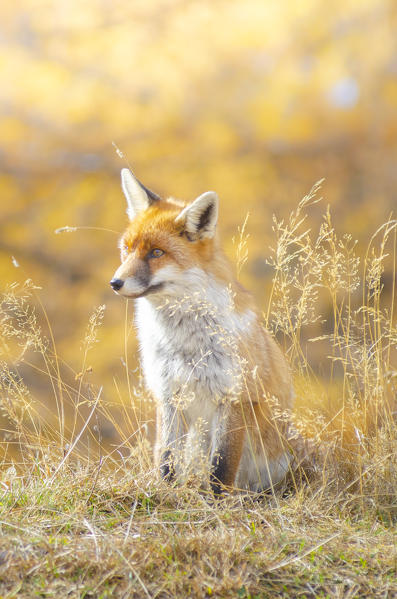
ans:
x=256 y=100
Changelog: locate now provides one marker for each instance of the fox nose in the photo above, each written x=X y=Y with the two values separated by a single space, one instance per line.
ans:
x=116 y=284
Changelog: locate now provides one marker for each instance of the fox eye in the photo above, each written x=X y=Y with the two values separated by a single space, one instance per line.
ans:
x=156 y=253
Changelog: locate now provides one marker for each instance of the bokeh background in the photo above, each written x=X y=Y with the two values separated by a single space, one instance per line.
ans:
x=257 y=100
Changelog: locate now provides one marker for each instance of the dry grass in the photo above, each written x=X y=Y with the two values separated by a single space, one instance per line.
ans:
x=81 y=520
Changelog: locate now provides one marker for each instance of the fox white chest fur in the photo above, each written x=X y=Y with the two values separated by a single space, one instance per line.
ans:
x=214 y=372
x=189 y=343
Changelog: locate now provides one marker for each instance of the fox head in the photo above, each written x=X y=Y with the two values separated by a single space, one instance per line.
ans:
x=166 y=243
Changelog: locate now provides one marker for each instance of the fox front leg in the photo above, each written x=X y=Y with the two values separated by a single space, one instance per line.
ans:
x=227 y=447
x=169 y=435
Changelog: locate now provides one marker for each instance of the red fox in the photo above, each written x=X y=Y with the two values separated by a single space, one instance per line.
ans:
x=223 y=387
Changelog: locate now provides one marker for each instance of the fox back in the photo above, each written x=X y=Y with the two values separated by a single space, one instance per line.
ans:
x=222 y=386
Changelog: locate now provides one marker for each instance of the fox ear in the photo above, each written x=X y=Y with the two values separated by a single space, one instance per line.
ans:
x=201 y=216
x=138 y=197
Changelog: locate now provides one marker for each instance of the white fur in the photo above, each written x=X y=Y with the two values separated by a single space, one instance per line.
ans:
x=131 y=288
x=191 y=336
x=189 y=340
x=189 y=348
x=167 y=274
